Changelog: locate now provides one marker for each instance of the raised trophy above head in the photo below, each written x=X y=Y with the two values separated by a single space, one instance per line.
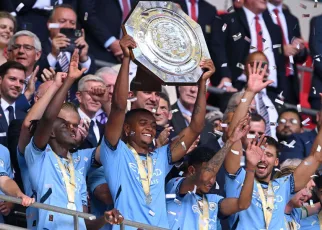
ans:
x=170 y=45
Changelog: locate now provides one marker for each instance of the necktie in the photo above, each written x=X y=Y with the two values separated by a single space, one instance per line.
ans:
x=11 y=114
x=193 y=10
x=91 y=132
x=264 y=113
x=102 y=118
x=287 y=60
x=126 y=9
x=259 y=34
x=63 y=62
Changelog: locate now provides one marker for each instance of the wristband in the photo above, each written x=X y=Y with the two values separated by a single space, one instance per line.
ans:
x=250 y=170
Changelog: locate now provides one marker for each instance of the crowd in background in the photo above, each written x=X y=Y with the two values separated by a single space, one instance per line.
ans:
x=82 y=136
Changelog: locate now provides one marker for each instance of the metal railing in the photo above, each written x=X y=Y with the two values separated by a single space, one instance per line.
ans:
x=139 y=225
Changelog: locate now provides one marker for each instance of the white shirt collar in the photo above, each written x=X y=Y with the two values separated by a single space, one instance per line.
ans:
x=5 y=104
x=183 y=109
x=250 y=15
x=83 y=115
x=271 y=7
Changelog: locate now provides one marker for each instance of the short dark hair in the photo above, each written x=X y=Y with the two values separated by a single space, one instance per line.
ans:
x=67 y=6
x=271 y=141
x=290 y=110
x=4 y=68
x=165 y=97
x=257 y=117
x=69 y=106
x=133 y=113
x=200 y=155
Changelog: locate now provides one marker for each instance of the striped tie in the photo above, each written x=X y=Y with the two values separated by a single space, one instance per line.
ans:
x=264 y=113
x=63 y=62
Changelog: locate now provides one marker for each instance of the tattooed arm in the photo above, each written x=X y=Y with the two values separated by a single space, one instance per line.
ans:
x=187 y=136
x=216 y=161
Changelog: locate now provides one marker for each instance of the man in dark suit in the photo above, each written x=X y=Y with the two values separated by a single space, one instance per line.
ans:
x=316 y=51
x=52 y=56
x=33 y=14
x=293 y=45
x=102 y=19
x=182 y=112
x=12 y=78
x=88 y=108
x=236 y=35
x=202 y=12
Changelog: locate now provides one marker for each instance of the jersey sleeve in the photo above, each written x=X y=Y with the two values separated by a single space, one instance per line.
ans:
x=95 y=178
x=5 y=163
x=90 y=155
x=173 y=186
x=233 y=183
x=164 y=154
x=83 y=192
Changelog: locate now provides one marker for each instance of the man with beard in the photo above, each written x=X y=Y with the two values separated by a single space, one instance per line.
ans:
x=56 y=175
x=269 y=196
x=289 y=122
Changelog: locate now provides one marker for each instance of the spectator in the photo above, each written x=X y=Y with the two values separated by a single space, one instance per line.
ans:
x=203 y=167
x=145 y=100
x=109 y=76
x=12 y=78
x=163 y=114
x=257 y=128
x=247 y=30
x=7 y=29
x=103 y=23
x=88 y=109
x=9 y=186
x=53 y=56
x=215 y=119
x=293 y=45
x=316 y=51
x=35 y=13
x=54 y=136
x=24 y=47
x=289 y=122
x=287 y=185
x=139 y=127
x=184 y=109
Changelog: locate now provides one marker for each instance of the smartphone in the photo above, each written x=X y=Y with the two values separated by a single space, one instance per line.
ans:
x=73 y=35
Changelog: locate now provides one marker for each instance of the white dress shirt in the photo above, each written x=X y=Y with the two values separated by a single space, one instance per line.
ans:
x=282 y=18
x=272 y=113
x=95 y=127
x=4 y=106
x=41 y=4
x=184 y=111
x=267 y=45
x=189 y=7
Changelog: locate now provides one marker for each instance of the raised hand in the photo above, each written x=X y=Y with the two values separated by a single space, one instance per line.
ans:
x=255 y=152
x=256 y=77
x=127 y=43
x=208 y=66
x=82 y=44
x=31 y=85
x=48 y=75
x=82 y=131
x=113 y=217
x=241 y=129
x=163 y=138
x=74 y=72
x=59 y=78
x=59 y=41
x=100 y=94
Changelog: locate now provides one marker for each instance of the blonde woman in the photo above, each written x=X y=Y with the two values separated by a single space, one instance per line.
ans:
x=7 y=29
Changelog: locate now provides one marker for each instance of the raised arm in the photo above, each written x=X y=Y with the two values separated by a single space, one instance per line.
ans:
x=216 y=161
x=230 y=206
x=114 y=125
x=44 y=128
x=188 y=135
x=254 y=85
x=37 y=111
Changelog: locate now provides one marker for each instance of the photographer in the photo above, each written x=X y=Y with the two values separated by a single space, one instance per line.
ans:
x=64 y=38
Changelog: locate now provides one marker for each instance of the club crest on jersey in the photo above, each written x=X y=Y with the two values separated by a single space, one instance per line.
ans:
x=212 y=206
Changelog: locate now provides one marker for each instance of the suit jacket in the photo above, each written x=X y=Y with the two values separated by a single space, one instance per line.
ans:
x=206 y=138
x=4 y=125
x=225 y=50
x=103 y=21
x=206 y=17
x=302 y=147
x=316 y=49
x=90 y=141
x=43 y=63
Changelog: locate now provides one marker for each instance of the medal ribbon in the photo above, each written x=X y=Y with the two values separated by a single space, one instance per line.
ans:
x=145 y=177
x=70 y=184
x=267 y=205
x=204 y=218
